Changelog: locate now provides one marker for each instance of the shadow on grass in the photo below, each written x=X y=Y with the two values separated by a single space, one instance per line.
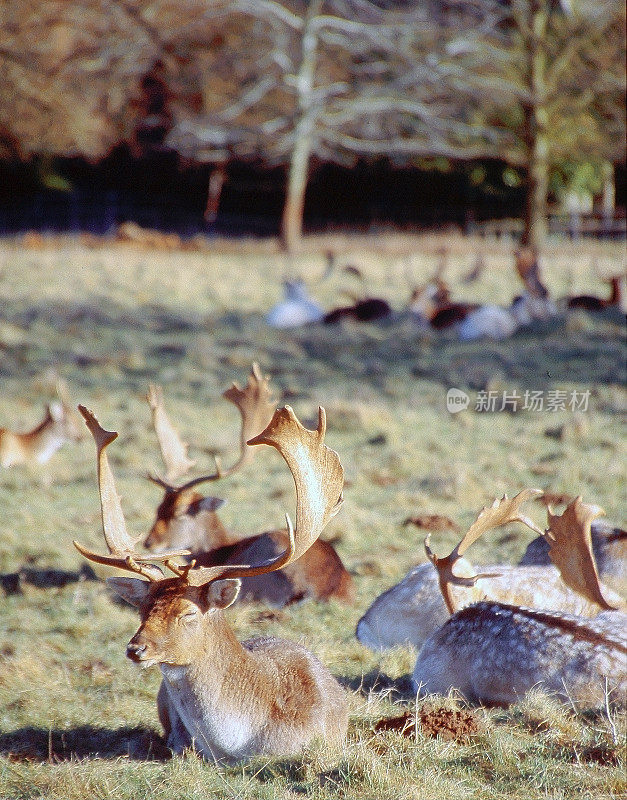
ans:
x=44 y=578
x=380 y=683
x=84 y=742
x=139 y=341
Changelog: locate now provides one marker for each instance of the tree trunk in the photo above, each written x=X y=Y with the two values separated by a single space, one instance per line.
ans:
x=214 y=192
x=536 y=118
x=294 y=206
x=293 y=209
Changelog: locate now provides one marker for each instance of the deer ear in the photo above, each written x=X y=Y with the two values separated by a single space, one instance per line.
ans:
x=133 y=590
x=222 y=594
x=56 y=411
x=210 y=503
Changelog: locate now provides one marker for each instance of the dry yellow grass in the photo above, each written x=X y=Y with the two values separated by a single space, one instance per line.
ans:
x=77 y=720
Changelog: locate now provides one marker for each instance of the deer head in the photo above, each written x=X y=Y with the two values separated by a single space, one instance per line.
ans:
x=59 y=425
x=318 y=477
x=184 y=516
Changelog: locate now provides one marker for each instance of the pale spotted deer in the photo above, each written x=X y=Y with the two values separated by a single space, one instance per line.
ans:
x=410 y=611
x=59 y=426
x=229 y=700
x=187 y=519
x=494 y=652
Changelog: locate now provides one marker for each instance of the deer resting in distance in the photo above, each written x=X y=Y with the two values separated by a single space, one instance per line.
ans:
x=414 y=608
x=59 y=425
x=187 y=519
x=229 y=700
x=495 y=652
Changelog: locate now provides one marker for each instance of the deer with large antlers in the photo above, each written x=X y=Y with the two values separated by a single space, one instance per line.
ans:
x=187 y=519
x=413 y=609
x=229 y=700
x=59 y=425
x=494 y=652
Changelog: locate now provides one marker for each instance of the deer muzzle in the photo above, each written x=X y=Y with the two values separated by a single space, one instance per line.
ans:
x=135 y=651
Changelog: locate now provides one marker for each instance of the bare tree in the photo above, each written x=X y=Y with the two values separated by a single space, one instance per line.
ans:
x=553 y=74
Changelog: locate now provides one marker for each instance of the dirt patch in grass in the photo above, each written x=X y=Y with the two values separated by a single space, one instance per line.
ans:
x=450 y=724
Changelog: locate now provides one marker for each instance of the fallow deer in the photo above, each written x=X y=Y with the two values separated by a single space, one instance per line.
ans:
x=59 y=425
x=187 y=519
x=229 y=700
x=297 y=307
x=413 y=609
x=494 y=652
x=590 y=302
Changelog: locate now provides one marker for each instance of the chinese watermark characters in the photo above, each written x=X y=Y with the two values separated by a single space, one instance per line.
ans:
x=493 y=401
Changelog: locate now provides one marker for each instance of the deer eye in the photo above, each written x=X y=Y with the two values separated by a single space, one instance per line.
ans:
x=189 y=616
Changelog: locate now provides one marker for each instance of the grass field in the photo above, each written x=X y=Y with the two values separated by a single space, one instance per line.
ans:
x=77 y=719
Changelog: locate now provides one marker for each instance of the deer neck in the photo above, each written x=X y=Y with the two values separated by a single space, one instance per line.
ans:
x=12 y=450
x=207 y=693
x=216 y=535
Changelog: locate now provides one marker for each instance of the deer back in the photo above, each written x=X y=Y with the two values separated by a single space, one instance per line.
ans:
x=494 y=653
x=319 y=574
x=413 y=609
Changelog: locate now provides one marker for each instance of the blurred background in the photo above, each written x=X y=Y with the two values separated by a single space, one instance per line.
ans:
x=277 y=118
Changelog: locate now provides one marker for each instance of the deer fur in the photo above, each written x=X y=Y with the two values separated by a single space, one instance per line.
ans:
x=187 y=519
x=494 y=653
x=296 y=309
x=413 y=609
x=37 y=446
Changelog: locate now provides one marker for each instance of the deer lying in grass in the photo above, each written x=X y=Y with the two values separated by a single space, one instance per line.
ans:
x=590 y=302
x=413 y=609
x=187 y=519
x=494 y=652
x=59 y=425
x=297 y=307
x=229 y=700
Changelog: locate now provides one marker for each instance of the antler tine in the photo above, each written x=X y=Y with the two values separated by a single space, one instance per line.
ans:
x=63 y=392
x=120 y=545
x=318 y=478
x=169 y=487
x=173 y=448
x=256 y=409
x=499 y=513
x=570 y=549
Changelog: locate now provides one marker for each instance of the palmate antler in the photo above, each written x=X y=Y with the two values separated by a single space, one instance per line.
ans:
x=499 y=513
x=318 y=476
x=120 y=544
x=570 y=548
x=173 y=448
x=256 y=408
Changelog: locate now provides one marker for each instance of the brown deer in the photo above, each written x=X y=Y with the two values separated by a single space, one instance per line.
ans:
x=187 y=519
x=59 y=425
x=229 y=700
x=590 y=302
x=414 y=608
x=495 y=652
